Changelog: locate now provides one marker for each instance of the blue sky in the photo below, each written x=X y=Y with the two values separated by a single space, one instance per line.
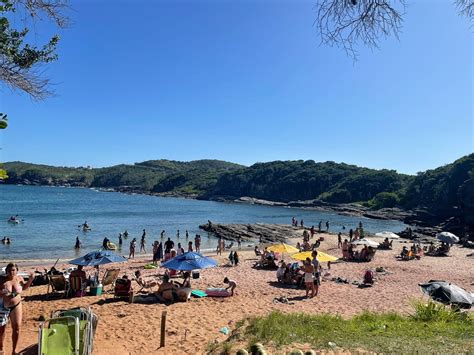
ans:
x=245 y=81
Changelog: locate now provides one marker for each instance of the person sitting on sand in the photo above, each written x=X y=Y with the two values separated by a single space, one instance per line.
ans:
x=232 y=285
x=145 y=284
x=404 y=253
x=298 y=246
x=79 y=272
x=186 y=280
x=167 y=290
x=363 y=255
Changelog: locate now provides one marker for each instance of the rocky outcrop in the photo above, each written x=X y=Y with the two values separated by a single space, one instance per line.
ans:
x=268 y=233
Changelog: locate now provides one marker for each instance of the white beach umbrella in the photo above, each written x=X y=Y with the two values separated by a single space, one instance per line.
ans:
x=389 y=235
x=368 y=242
x=447 y=237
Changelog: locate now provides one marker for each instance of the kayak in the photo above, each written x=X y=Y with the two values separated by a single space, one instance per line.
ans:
x=111 y=246
x=14 y=221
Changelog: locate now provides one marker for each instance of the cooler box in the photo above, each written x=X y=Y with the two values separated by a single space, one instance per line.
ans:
x=96 y=290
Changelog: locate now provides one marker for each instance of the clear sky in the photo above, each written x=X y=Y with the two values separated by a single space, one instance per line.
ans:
x=246 y=82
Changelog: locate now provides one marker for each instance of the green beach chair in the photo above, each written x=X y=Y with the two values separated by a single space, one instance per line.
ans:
x=59 y=336
x=68 y=332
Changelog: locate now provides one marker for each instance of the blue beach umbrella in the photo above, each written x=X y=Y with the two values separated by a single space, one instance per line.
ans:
x=189 y=261
x=98 y=257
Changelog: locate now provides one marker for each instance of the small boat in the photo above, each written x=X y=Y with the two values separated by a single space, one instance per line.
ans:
x=111 y=246
x=14 y=221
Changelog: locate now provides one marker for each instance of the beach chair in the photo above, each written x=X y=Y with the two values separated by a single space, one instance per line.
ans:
x=68 y=332
x=147 y=286
x=123 y=289
x=57 y=283
x=110 y=277
x=77 y=288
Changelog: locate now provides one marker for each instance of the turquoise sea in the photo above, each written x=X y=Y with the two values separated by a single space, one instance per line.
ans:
x=51 y=216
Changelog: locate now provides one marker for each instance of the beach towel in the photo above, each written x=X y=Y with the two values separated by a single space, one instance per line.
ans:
x=217 y=292
x=198 y=293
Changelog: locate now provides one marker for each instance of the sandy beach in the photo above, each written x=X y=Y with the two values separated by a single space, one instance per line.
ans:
x=135 y=328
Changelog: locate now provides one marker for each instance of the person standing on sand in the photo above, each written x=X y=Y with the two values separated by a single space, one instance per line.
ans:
x=327 y=226
x=232 y=285
x=219 y=245
x=317 y=272
x=190 y=246
x=339 y=240
x=320 y=225
x=308 y=277
x=239 y=241
x=143 y=242
x=351 y=235
x=10 y=293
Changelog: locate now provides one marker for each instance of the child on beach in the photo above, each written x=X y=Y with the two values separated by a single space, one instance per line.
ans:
x=232 y=285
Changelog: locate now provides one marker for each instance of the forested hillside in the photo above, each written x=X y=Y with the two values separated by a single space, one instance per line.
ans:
x=447 y=191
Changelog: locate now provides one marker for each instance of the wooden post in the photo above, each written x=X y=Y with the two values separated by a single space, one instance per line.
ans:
x=163 y=329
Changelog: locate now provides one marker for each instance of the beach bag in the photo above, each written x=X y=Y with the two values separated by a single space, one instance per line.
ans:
x=4 y=316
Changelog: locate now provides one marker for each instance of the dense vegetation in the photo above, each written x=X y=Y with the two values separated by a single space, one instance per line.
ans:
x=443 y=192
x=189 y=178
x=431 y=328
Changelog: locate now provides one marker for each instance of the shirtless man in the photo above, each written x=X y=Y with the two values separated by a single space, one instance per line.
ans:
x=10 y=291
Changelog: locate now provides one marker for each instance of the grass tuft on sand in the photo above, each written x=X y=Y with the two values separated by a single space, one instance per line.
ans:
x=432 y=328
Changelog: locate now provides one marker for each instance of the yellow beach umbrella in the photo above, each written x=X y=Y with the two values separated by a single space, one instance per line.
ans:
x=322 y=257
x=282 y=248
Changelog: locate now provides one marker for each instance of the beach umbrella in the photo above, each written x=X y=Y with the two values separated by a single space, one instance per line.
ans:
x=282 y=248
x=447 y=237
x=389 y=235
x=98 y=257
x=368 y=242
x=189 y=261
x=447 y=293
x=322 y=257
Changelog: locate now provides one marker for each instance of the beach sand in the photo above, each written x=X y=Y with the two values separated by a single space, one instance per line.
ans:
x=135 y=328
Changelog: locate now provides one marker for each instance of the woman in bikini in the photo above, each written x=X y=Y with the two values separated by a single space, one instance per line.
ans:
x=10 y=292
x=308 y=278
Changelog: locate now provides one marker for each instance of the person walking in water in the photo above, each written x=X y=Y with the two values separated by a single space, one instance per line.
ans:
x=78 y=243
x=133 y=245
x=143 y=242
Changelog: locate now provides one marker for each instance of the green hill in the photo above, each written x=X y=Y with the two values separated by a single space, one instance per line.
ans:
x=438 y=194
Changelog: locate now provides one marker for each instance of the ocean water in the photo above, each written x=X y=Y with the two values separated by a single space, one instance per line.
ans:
x=51 y=216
